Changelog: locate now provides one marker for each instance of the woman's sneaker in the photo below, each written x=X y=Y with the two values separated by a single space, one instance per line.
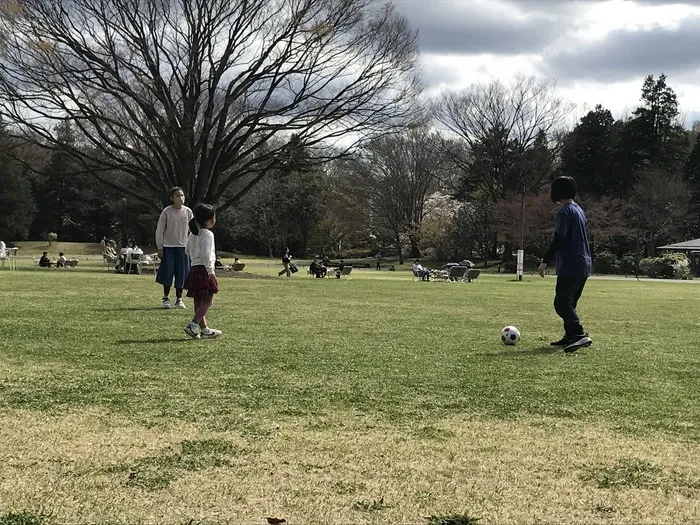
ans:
x=579 y=341
x=192 y=329
x=166 y=303
x=209 y=333
x=179 y=304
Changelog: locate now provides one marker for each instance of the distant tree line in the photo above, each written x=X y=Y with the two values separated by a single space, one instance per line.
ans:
x=305 y=125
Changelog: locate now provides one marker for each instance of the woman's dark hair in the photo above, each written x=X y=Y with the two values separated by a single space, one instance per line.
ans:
x=175 y=189
x=563 y=188
x=60 y=254
x=202 y=213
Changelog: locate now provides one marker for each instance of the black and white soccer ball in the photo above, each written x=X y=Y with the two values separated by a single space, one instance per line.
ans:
x=510 y=335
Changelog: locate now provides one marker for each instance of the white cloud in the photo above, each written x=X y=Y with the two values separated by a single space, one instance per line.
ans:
x=599 y=51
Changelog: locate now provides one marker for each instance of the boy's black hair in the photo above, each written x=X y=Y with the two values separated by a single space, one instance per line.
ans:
x=563 y=188
x=60 y=254
x=175 y=189
x=202 y=213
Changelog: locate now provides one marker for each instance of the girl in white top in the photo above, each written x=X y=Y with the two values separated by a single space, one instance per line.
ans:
x=201 y=280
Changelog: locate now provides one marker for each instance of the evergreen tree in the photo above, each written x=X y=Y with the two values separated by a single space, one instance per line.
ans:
x=589 y=151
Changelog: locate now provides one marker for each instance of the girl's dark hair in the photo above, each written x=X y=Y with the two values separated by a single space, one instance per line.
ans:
x=202 y=213
x=563 y=188
x=175 y=189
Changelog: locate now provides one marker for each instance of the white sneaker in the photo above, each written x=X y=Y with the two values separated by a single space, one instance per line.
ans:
x=179 y=304
x=192 y=329
x=209 y=333
x=166 y=303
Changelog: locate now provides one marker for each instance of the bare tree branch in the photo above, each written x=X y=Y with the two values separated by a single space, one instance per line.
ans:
x=188 y=92
x=494 y=125
x=399 y=173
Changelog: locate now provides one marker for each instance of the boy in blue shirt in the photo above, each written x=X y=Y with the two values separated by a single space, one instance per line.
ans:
x=573 y=255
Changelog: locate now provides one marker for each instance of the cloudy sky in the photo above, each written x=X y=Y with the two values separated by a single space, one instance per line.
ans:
x=598 y=51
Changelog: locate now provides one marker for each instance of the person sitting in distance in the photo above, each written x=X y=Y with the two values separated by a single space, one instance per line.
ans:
x=45 y=262
x=419 y=271
x=318 y=269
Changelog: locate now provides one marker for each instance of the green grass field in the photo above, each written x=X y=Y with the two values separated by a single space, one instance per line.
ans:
x=370 y=400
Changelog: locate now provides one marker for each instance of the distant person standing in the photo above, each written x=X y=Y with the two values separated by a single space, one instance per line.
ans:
x=379 y=260
x=171 y=239
x=286 y=261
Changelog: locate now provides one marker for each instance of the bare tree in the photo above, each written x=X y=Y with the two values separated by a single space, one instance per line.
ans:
x=508 y=138
x=188 y=92
x=399 y=173
x=498 y=124
x=660 y=206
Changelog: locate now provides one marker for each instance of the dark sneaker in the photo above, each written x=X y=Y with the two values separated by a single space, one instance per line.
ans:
x=564 y=341
x=579 y=342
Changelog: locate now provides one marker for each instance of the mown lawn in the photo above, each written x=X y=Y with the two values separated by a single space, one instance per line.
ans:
x=370 y=400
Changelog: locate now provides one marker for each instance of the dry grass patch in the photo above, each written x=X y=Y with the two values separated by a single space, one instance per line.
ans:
x=348 y=468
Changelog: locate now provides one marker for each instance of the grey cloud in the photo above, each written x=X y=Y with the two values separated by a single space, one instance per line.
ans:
x=434 y=75
x=567 y=4
x=626 y=54
x=466 y=28
x=692 y=3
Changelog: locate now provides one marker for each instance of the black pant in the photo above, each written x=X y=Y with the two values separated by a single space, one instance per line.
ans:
x=568 y=292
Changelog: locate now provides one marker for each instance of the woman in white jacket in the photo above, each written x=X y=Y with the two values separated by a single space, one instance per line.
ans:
x=201 y=282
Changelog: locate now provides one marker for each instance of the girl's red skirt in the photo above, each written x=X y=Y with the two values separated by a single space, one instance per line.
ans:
x=197 y=282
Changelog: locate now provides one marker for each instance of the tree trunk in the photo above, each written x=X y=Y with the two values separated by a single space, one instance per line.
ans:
x=508 y=250
x=415 y=249
x=638 y=254
x=522 y=221
x=398 y=247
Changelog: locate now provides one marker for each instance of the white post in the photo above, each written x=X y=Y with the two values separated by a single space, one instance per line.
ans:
x=519 y=267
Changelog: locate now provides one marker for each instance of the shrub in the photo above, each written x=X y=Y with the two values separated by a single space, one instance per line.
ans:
x=647 y=266
x=606 y=262
x=668 y=266
x=673 y=266
x=627 y=264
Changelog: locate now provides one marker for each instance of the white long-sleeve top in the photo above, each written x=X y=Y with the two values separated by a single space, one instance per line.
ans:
x=202 y=250
x=173 y=226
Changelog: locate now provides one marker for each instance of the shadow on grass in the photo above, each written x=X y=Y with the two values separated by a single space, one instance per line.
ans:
x=156 y=341
x=515 y=353
x=132 y=309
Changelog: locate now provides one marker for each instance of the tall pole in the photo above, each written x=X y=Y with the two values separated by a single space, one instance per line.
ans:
x=522 y=224
x=522 y=220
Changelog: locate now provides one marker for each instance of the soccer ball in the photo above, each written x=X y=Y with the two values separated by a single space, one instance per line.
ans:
x=510 y=335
